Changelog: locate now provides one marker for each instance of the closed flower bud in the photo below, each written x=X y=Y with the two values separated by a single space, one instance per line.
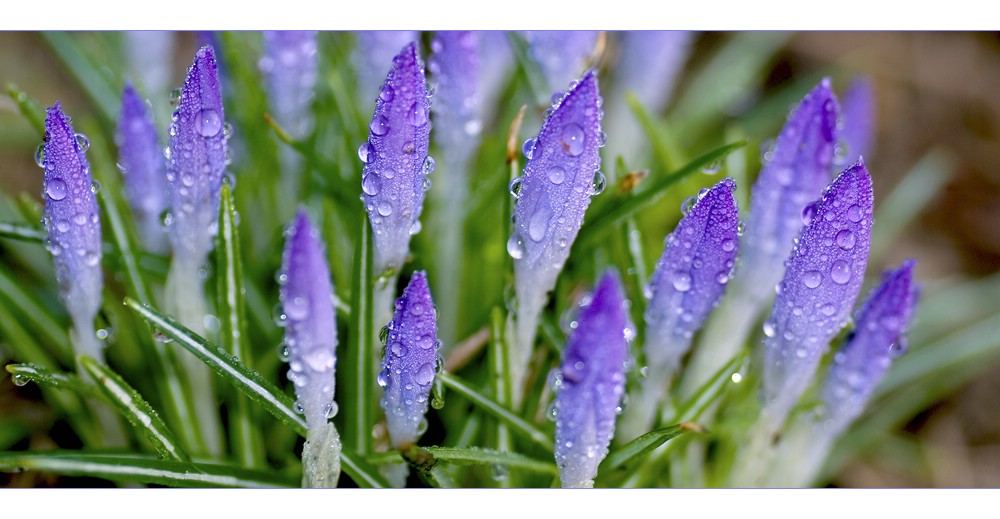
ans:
x=140 y=158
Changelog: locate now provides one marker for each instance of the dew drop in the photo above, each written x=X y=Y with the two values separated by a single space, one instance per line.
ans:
x=515 y=246
x=682 y=281
x=845 y=239
x=572 y=139
x=418 y=114
x=297 y=309
x=55 y=189
x=722 y=278
x=769 y=329
x=828 y=309
x=840 y=272
x=597 y=187
x=425 y=342
x=82 y=142
x=415 y=227
x=371 y=184
x=809 y=213
x=712 y=168
x=429 y=165
x=387 y=93
x=284 y=351
x=379 y=125
x=801 y=353
x=425 y=374
x=330 y=410
x=208 y=123
x=298 y=406
x=366 y=152
x=19 y=380
x=40 y=155
x=538 y=224
x=515 y=187
x=383 y=378
x=384 y=208
x=526 y=148
x=280 y=318
x=728 y=245
x=812 y=279
x=854 y=213
x=688 y=204
x=398 y=349
x=557 y=175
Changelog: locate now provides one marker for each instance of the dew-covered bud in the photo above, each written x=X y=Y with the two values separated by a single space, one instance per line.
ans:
x=72 y=224
x=454 y=65
x=561 y=55
x=310 y=323
x=879 y=336
x=410 y=362
x=553 y=192
x=396 y=161
x=140 y=158
x=592 y=382
x=289 y=65
x=822 y=280
x=196 y=161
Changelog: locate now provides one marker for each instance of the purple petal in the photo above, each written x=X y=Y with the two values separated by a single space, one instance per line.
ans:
x=561 y=174
x=289 y=63
x=801 y=166
x=650 y=64
x=373 y=51
x=457 y=108
x=692 y=274
x=592 y=384
x=196 y=161
x=140 y=159
x=562 y=55
x=878 y=337
x=410 y=363
x=395 y=159
x=71 y=218
x=310 y=322
x=823 y=277
x=858 y=107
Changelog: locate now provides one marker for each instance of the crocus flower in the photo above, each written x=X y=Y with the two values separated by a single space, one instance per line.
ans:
x=289 y=64
x=592 y=384
x=410 y=363
x=140 y=159
x=73 y=226
x=878 y=337
x=149 y=55
x=822 y=279
x=689 y=279
x=561 y=174
x=396 y=161
x=858 y=107
x=372 y=51
x=196 y=161
x=561 y=55
x=795 y=172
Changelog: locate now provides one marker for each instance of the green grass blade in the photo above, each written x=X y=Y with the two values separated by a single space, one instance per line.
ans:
x=22 y=232
x=359 y=360
x=246 y=440
x=483 y=456
x=24 y=300
x=640 y=446
x=663 y=149
x=498 y=411
x=710 y=391
x=28 y=107
x=624 y=206
x=135 y=409
x=131 y=468
x=23 y=373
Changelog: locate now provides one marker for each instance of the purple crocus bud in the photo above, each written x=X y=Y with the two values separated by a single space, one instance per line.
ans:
x=650 y=63
x=289 y=63
x=140 y=159
x=410 y=363
x=73 y=225
x=561 y=54
x=822 y=279
x=396 y=161
x=372 y=50
x=310 y=323
x=799 y=168
x=592 y=384
x=878 y=337
x=858 y=107
x=149 y=55
x=553 y=192
x=455 y=65
x=196 y=161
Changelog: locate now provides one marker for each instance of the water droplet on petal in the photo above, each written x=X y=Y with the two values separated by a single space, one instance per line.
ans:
x=597 y=187
x=379 y=125
x=557 y=174
x=845 y=239
x=371 y=184
x=572 y=139
x=769 y=328
x=384 y=208
x=297 y=309
x=515 y=246
x=208 y=123
x=854 y=213
x=387 y=93
x=728 y=245
x=366 y=152
x=55 y=189
x=682 y=281
x=538 y=224
x=526 y=148
x=82 y=142
x=383 y=378
x=40 y=155
x=809 y=213
x=425 y=374
x=812 y=279
x=418 y=114
x=515 y=187
x=398 y=349
x=840 y=272
x=828 y=309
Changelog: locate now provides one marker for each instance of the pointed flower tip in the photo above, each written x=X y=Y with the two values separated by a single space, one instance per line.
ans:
x=395 y=159
x=309 y=320
x=140 y=159
x=822 y=280
x=71 y=215
x=693 y=273
x=410 y=362
x=591 y=384
x=878 y=337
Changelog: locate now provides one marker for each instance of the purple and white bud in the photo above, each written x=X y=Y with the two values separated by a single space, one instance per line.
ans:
x=372 y=51
x=140 y=158
x=289 y=65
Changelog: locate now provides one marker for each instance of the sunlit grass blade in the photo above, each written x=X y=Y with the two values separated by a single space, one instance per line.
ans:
x=135 y=409
x=709 y=393
x=86 y=73
x=34 y=312
x=28 y=107
x=489 y=457
x=498 y=411
x=263 y=393
x=641 y=446
x=23 y=373
x=23 y=232
x=358 y=368
x=134 y=468
x=246 y=440
x=624 y=206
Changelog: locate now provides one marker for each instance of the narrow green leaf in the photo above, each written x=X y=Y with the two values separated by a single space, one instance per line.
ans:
x=246 y=439
x=359 y=358
x=21 y=231
x=28 y=107
x=24 y=300
x=118 y=467
x=710 y=391
x=661 y=149
x=251 y=384
x=484 y=456
x=135 y=409
x=498 y=411
x=640 y=446
x=24 y=373
x=532 y=71
x=624 y=206
x=500 y=375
